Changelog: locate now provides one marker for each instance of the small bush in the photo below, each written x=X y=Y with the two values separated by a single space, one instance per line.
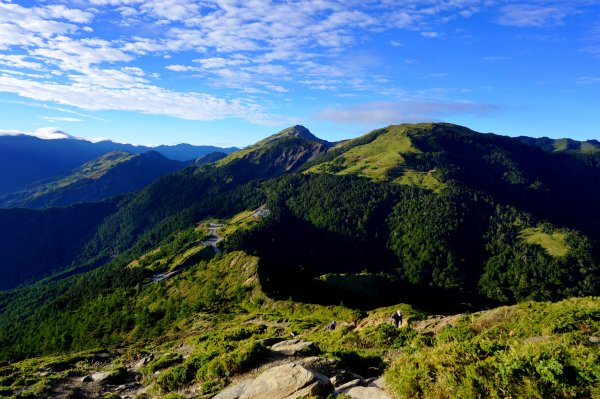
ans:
x=174 y=378
x=163 y=361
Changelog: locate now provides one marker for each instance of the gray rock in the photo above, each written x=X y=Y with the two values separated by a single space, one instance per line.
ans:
x=292 y=347
x=378 y=382
x=350 y=384
x=288 y=381
x=594 y=340
x=234 y=391
x=142 y=362
x=87 y=378
x=342 y=376
x=366 y=393
x=321 y=365
x=100 y=376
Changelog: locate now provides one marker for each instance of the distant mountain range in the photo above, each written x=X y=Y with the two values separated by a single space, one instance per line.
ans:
x=114 y=173
x=188 y=281
x=25 y=160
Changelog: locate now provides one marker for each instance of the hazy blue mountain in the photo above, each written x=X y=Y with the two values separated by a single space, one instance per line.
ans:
x=114 y=173
x=26 y=159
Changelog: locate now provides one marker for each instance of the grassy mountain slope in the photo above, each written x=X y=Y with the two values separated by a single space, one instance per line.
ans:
x=364 y=237
x=176 y=201
x=111 y=174
x=211 y=323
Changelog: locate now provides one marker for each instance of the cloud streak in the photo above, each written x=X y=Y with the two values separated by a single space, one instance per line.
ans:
x=381 y=113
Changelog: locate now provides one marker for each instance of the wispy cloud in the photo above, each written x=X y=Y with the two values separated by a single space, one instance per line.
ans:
x=532 y=15
x=61 y=119
x=430 y=34
x=235 y=54
x=143 y=98
x=374 y=113
x=588 y=80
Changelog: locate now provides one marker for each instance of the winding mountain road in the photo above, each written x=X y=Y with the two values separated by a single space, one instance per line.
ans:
x=213 y=238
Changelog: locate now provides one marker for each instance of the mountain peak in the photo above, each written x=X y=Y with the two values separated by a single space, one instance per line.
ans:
x=297 y=131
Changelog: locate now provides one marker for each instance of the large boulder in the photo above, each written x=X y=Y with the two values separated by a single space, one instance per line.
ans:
x=293 y=346
x=234 y=391
x=288 y=381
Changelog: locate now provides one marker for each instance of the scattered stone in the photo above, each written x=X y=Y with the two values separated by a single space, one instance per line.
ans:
x=87 y=378
x=594 y=340
x=292 y=347
x=142 y=362
x=100 y=376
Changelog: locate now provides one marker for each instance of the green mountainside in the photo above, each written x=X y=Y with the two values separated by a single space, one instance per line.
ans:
x=111 y=174
x=427 y=218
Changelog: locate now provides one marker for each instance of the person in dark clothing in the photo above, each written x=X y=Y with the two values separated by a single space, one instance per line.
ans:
x=397 y=319
x=331 y=326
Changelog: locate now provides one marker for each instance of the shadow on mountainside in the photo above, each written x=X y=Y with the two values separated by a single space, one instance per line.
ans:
x=296 y=258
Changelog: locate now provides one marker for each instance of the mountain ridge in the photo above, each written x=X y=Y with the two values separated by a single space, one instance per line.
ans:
x=425 y=219
x=26 y=159
x=114 y=173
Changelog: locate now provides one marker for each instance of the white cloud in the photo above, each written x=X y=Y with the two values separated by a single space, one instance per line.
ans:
x=47 y=133
x=19 y=61
x=382 y=113
x=61 y=119
x=142 y=98
x=257 y=46
x=529 y=15
x=430 y=35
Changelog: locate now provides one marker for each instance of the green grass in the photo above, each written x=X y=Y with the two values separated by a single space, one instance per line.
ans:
x=373 y=159
x=589 y=148
x=531 y=350
x=553 y=242
x=426 y=180
x=94 y=169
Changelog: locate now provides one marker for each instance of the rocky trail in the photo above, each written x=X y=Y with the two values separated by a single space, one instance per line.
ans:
x=289 y=371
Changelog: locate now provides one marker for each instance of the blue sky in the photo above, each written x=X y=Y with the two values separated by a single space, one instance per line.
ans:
x=227 y=72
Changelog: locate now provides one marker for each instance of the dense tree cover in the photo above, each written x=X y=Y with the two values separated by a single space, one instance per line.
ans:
x=563 y=187
x=36 y=243
x=516 y=271
x=458 y=241
x=467 y=243
x=85 y=235
x=114 y=305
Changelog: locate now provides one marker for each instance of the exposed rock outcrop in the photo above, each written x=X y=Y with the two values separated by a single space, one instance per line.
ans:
x=293 y=347
x=287 y=381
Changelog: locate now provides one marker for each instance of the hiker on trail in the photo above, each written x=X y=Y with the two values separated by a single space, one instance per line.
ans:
x=331 y=326
x=397 y=319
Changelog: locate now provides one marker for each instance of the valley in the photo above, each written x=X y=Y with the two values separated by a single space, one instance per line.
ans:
x=487 y=244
